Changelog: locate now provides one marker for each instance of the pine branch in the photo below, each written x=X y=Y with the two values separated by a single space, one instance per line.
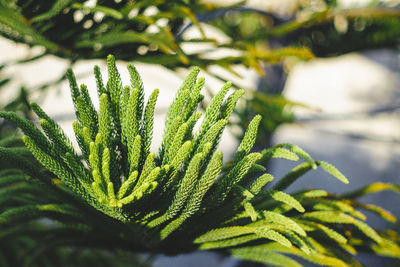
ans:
x=183 y=197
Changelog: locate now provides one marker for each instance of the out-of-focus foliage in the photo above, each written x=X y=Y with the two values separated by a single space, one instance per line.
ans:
x=330 y=31
x=322 y=26
x=335 y=32
x=146 y=31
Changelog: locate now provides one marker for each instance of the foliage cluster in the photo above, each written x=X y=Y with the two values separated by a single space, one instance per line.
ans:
x=117 y=194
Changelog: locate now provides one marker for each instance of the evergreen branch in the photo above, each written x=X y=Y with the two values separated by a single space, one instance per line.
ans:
x=28 y=129
x=277 y=152
x=248 y=140
x=285 y=198
x=267 y=257
x=213 y=110
x=372 y=188
x=147 y=128
x=231 y=242
x=260 y=182
x=338 y=217
x=123 y=195
x=329 y=168
x=193 y=204
x=292 y=176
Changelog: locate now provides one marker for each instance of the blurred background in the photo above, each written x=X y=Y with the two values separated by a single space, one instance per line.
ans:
x=325 y=75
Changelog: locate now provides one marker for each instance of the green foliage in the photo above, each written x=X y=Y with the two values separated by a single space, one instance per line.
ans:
x=359 y=29
x=146 y=31
x=118 y=194
x=329 y=30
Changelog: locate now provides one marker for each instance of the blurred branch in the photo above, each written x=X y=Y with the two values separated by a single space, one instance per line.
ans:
x=328 y=16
